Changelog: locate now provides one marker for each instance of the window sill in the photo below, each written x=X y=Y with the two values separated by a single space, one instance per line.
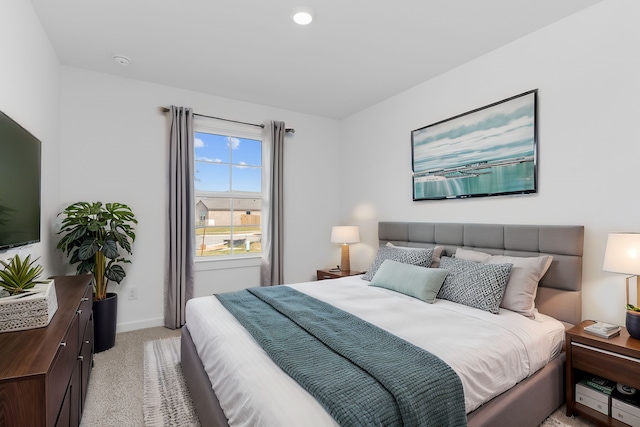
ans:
x=221 y=263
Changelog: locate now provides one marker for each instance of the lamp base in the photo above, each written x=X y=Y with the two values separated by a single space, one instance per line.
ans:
x=345 y=265
x=633 y=323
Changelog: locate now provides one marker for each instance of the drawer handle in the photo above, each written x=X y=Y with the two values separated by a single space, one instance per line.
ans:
x=80 y=357
x=84 y=299
x=63 y=344
x=86 y=342
x=79 y=311
x=326 y=277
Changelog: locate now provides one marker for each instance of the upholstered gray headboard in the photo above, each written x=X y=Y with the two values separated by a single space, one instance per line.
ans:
x=559 y=292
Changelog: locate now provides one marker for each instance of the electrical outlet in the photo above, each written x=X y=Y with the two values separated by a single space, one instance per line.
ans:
x=133 y=293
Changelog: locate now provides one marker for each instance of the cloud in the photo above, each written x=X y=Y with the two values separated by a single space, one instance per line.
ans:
x=242 y=165
x=198 y=143
x=233 y=142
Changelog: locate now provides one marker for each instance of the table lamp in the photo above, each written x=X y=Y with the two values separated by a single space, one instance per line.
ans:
x=622 y=255
x=345 y=235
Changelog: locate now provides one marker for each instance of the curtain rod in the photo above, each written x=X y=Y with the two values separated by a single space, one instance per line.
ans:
x=288 y=130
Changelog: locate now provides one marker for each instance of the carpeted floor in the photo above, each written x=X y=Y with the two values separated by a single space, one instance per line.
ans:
x=116 y=392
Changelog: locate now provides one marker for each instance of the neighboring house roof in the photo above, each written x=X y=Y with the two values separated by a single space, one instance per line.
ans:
x=238 y=204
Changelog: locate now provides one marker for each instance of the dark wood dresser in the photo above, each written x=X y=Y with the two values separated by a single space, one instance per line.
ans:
x=44 y=372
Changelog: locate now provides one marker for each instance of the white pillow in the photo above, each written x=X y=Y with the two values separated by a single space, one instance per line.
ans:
x=523 y=281
x=435 y=258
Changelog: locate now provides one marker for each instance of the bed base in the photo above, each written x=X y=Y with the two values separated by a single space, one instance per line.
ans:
x=531 y=401
x=527 y=404
x=204 y=399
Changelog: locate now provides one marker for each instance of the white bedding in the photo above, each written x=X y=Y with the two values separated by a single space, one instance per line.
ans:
x=490 y=353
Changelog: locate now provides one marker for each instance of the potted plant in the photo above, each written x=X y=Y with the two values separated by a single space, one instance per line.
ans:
x=25 y=301
x=92 y=236
x=20 y=276
x=633 y=321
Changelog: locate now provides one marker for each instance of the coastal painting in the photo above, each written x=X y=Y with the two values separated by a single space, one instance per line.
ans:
x=489 y=151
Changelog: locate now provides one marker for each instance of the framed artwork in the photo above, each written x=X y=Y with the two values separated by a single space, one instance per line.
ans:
x=490 y=151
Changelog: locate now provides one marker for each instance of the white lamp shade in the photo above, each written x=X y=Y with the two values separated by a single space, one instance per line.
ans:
x=623 y=253
x=345 y=234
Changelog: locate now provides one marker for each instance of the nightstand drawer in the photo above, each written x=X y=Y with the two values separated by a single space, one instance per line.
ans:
x=335 y=274
x=592 y=398
x=323 y=275
x=625 y=417
x=607 y=364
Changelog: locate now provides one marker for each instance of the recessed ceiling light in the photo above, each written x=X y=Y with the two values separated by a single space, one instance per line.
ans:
x=302 y=15
x=121 y=60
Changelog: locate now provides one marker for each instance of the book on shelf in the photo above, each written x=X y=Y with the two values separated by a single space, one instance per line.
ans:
x=598 y=383
x=605 y=330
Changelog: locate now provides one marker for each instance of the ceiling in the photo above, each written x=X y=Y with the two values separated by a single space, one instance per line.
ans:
x=355 y=54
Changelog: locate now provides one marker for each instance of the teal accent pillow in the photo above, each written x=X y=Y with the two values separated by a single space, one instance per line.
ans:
x=418 y=282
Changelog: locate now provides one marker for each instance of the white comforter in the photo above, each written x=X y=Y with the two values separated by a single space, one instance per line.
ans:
x=490 y=353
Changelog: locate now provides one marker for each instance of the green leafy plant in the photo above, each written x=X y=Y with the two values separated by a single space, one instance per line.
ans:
x=92 y=234
x=19 y=276
x=632 y=307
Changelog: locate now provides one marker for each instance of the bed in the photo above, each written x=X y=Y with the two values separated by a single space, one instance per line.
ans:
x=527 y=403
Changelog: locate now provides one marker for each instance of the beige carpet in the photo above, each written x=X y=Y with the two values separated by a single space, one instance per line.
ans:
x=115 y=390
x=115 y=396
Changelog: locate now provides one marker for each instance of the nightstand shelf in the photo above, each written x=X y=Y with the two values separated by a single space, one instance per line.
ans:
x=616 y=359
x=328 y=274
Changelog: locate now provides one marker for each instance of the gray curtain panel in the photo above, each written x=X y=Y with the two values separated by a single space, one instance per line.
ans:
x=272 y=271
x=181 y=223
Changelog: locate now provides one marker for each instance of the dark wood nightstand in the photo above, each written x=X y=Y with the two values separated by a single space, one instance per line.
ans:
x=616 y=359
x=327 y=274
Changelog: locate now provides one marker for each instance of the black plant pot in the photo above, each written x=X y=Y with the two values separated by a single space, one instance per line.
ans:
x=633 y=324
x=105 y=316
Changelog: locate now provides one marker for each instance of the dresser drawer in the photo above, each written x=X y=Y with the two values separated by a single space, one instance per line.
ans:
x=84 y=312
x=61 y=369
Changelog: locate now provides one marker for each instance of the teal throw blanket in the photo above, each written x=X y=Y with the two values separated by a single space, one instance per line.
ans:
x=376 y=378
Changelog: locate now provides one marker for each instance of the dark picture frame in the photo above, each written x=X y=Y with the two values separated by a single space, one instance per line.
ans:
x=489 y=151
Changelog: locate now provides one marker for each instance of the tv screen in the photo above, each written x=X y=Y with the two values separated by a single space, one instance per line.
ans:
x=19 y=185
x=489 y=151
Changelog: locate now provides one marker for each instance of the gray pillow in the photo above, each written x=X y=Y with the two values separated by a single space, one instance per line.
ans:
x=421 y=257
x=418 y=282
x=435 y=258
x=522 y=287
x=474 y=284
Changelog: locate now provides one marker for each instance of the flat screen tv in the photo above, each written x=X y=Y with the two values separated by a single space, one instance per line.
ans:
x=490 y=151
x=19 y=185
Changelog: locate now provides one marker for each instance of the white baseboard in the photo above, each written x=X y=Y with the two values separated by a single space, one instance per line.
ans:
x=133 y=326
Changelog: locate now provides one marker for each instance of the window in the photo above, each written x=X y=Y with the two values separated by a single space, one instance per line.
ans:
x=228 y=191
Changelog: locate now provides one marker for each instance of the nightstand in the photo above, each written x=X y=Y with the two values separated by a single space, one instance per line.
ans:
x=616 y=359
x=326 y=274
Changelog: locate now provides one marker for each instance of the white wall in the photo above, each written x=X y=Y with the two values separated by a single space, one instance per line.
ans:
x=104 y=139
x=114 y=148
x=587 y=70
x=29 y=94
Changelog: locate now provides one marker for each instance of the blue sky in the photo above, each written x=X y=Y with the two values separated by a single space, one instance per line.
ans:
x=222 y=159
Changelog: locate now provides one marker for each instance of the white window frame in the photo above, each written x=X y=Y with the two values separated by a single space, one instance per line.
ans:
x=207 y=125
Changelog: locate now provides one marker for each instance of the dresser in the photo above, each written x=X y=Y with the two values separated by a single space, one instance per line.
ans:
x=44 y=372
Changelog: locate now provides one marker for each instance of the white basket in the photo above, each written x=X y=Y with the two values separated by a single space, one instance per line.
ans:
x=27 y=312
